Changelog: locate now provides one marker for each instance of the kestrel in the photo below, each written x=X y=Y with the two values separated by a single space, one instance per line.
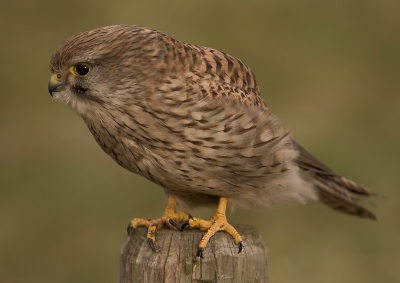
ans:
x=190 y=119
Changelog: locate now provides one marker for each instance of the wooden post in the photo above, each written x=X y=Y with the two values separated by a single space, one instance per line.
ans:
x=176 y=261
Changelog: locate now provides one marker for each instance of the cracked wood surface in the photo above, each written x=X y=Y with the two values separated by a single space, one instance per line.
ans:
x=176 y=261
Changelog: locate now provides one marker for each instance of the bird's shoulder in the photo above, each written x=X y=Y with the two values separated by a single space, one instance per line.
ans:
x=209 y=73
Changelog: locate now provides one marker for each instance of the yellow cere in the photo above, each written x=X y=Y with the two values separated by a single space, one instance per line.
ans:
x=57 y=77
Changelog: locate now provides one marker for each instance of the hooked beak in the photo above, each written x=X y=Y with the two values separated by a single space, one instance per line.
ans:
x=55 y=85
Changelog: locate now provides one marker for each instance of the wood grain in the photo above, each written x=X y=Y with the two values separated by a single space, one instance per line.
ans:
x=176 y=261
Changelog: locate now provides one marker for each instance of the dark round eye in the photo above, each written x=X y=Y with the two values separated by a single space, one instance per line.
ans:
x=82 y=70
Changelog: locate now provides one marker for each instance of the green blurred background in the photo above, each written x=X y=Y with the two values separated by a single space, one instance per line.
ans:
x=329 y=69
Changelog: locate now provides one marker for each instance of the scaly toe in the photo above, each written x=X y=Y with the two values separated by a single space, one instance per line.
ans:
x=216 y=224
x=170 y=218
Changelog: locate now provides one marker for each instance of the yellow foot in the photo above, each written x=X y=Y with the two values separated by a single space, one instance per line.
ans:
x=170 y=218
x=217 y=223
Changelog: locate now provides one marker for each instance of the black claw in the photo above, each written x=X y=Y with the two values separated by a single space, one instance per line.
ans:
x=129 y=228
x=199 y=252
x=240 y=247
x=173 y=223
x=186 y=223
x=152 y=245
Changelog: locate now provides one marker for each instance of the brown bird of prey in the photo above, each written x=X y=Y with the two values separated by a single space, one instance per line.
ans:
x=190 y=119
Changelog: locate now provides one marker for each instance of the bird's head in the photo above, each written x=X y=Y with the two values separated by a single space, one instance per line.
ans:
x=105 y=66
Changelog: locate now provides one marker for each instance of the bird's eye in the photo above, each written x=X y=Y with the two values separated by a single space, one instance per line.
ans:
x=80 y=69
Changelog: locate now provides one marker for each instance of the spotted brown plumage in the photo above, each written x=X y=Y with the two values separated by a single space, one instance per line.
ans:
x=190 y=119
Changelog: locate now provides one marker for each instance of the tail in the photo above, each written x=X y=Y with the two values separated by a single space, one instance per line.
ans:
x=333 y=190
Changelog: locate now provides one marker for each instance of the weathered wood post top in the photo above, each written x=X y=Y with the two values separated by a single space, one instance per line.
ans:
x=176 y=261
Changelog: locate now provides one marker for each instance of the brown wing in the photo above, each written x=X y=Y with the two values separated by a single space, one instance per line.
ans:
x=333 y=190
x=210 y=72
x=235 y=79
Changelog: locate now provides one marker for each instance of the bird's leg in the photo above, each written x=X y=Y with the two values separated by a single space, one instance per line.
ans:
x=217 y=223
x=170 y=218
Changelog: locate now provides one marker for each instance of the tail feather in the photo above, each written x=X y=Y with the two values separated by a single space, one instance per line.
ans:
x=346 y=204
x=333 y=190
